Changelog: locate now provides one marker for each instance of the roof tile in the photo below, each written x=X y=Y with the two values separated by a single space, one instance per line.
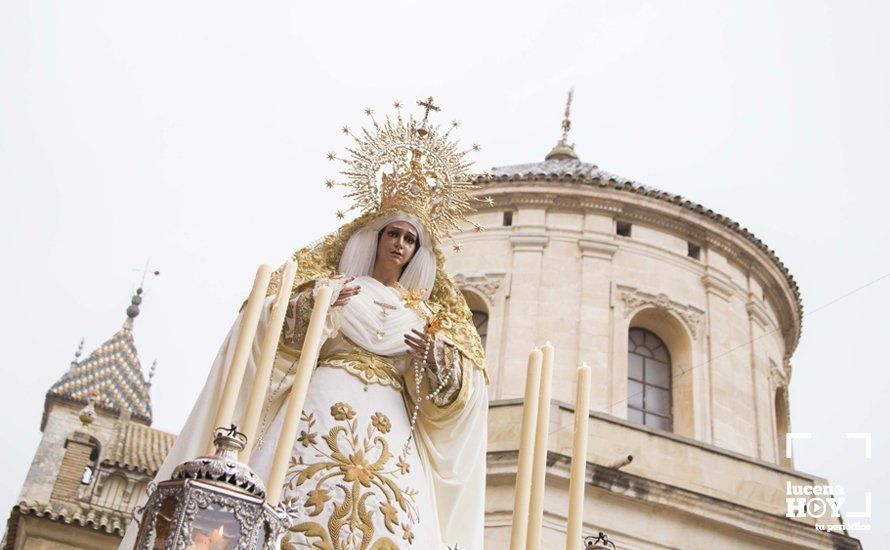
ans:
x=113 y=370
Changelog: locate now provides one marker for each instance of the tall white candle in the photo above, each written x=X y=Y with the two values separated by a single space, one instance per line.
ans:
x=539 y=468
x=522 y=491
x=249 y=320
x=308 y=356
x=267 y=358
x=579 y=460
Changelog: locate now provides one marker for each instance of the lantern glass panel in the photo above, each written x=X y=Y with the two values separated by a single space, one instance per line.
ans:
x=161 y=531
x=215 y=528
x=261 y=534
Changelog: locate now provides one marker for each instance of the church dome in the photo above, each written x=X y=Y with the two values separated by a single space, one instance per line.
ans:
x=573 y=170
x=601 y=266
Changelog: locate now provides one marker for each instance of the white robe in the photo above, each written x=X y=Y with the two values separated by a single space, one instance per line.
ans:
x=427 y=494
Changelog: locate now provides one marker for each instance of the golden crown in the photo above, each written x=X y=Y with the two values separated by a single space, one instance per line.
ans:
x=410 y=166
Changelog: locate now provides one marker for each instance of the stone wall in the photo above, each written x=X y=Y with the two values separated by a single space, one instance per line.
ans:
x=677 y=492
x=60 y=424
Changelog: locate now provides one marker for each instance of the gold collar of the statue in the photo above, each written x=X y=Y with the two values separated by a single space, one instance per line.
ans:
x=410 y=166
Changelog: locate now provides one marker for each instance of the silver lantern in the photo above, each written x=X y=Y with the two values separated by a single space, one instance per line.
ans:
x=211 y=503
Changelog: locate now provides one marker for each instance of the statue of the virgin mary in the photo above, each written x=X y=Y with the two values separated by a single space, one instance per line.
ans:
x=391 y=446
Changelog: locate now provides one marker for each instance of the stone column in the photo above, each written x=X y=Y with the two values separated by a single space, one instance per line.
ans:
x=594 y=326
x=758 y=323
x=521 y=326
x=718 y=291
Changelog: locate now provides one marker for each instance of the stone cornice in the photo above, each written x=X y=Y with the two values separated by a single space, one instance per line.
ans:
x=662 y=434
x=718 y=283
x=788 y=369
x=775 y=527
x=778 y=376
x=595 y=248
x=490 y=285
x=757 y=312
x=635 y=299
x=529 y=243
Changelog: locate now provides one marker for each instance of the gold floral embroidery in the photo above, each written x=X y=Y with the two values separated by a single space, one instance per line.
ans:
x=307 y=437
x=352 y=484
x=366 y=366
x=381 y=422
x=413 y=299
x=438 y=321
x=316 y=498
x=407 y=534
x=342 y=411
x=403 y=465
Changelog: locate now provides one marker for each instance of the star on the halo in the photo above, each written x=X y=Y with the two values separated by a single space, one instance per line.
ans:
x=340 y=215
x=455 y=123
x=329 y=184
x=457 y=248
x=397 y=104
x=345 y=129
x=476 y=147
x=369 y=111
x=489 y=200
x=479 y=229
x=331 y=155
x=487 y=174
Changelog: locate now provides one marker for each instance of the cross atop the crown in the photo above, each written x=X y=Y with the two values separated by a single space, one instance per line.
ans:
x=428 y=106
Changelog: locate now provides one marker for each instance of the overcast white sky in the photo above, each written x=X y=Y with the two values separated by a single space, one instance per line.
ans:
x=193 y=133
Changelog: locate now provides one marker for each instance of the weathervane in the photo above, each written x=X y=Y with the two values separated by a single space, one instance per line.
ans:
x=145 y=273
x=563 y=150
x=567 y=122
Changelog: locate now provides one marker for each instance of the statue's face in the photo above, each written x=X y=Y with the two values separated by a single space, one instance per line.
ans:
x=397 y=244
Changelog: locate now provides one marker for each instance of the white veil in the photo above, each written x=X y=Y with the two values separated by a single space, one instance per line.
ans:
x=361 y=250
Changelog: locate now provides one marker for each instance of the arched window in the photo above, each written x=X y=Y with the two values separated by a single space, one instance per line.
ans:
x=479 y=309
x=648 y=380
x=480 y=319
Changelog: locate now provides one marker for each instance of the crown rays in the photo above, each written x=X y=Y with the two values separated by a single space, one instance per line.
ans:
x=410 y=166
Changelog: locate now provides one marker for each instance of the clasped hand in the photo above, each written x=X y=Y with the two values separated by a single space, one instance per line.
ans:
x=346 y=293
